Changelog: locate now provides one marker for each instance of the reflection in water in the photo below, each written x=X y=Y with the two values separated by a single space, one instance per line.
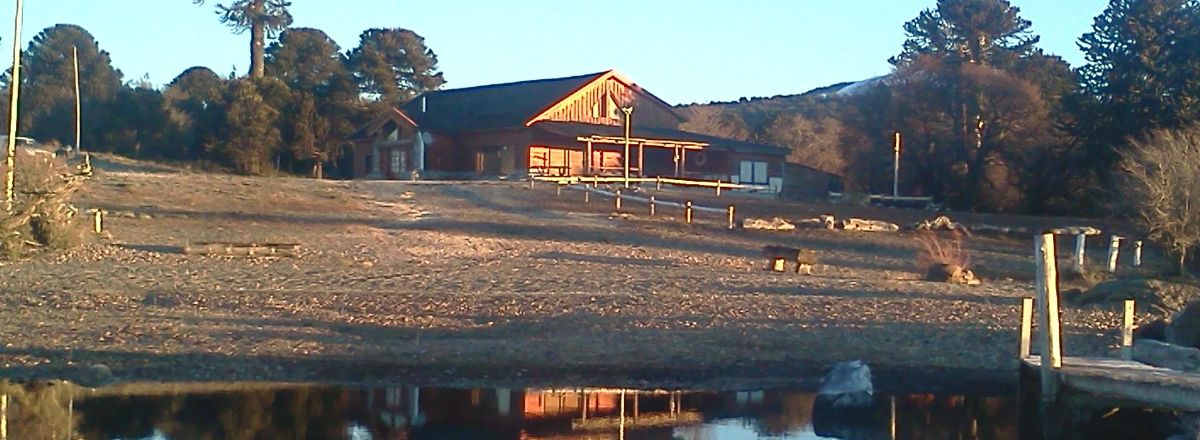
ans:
x=257 y=412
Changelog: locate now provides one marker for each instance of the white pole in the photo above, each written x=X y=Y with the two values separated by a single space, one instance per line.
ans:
x=1080 y=247
x=10 y=178
x=896 y=167
x=78 y=107
x=1114 y=247
x=628 y=114
x=1137 y=253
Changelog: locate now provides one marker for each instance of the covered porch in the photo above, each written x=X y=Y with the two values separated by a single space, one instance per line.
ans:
x=569 y=149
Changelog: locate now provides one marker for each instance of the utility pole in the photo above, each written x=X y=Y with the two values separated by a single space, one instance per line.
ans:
x=78 y=107
x=10 y=177
x=896 y=167
x=628 y=115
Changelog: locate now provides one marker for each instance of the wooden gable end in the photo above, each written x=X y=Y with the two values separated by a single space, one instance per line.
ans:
x=600 y=101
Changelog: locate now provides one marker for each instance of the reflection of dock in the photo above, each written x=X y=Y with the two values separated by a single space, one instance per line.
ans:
x=1128 y=381
x=659 y=420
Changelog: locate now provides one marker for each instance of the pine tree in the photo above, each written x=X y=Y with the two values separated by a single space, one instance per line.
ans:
x=250 y=136
x=195 y=102
x=393 y=65
x=48 y=95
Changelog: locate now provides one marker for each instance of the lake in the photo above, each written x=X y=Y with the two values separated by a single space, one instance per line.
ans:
x=251 y=411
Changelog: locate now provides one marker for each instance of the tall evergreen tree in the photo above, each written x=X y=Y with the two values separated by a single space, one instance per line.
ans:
x=263 y=18
x=249 y=132
x=195 y=102
x=989 y=32
x=48 y=95
x=1142 y=73
x=393 y=65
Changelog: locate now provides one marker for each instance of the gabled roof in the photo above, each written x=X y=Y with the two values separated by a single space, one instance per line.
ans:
x=368 y=131
x=508 y=105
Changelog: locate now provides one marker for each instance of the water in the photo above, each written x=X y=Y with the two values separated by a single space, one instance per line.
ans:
x=318 y=412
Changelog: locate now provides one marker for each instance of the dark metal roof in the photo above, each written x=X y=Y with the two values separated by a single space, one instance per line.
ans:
x=492 y=106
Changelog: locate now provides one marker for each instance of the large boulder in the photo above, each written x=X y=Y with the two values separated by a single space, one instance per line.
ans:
x=1161 y=354
x=1160 y=297
x=1184 y=328
x=848 y=384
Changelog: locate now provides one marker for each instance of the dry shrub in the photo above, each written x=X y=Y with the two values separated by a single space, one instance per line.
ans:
x=945 y=248
x=41 y=215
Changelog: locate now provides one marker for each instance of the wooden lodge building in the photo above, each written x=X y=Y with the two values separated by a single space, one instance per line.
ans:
x=553 y=127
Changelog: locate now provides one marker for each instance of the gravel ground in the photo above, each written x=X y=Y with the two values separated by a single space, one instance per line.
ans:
x=498 y=283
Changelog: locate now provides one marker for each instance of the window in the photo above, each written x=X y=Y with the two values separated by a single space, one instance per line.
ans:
x=753 y=172
x=397 y=164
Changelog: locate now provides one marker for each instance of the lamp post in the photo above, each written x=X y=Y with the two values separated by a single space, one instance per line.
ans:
x=628 y=115
x=896 y=167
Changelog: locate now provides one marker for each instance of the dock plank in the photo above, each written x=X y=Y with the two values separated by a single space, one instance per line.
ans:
x=1129 y=380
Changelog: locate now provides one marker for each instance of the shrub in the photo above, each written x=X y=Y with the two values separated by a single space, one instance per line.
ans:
x=41 y=213
x=945 y=249
x=1161 y=186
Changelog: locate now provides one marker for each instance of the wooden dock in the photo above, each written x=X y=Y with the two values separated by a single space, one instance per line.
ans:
x=1130 y=382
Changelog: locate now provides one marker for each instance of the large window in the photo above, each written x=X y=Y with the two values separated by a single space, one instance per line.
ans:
x=753 y=172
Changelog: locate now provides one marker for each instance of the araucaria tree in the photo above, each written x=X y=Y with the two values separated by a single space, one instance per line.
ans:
x=970 y=117
x=1143 y=73
x=263 y=18
x=1162 y=186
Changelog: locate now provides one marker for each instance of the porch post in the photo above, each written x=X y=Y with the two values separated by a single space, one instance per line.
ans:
x=676 y=159
x=587 y=160
x=682 y=161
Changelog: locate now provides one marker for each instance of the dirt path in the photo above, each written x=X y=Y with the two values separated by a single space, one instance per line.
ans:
x=491 y=282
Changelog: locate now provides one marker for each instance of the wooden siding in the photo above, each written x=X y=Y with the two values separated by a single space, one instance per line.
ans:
x=585 y=105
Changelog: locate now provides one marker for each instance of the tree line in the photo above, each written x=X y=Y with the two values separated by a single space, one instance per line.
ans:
x=303 y=96
x=991 y=122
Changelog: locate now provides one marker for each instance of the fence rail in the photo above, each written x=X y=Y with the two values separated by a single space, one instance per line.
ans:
x=696 y=183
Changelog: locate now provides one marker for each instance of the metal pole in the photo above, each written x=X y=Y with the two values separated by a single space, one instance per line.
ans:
x=628 y=114
x=78 y=106
x=10 y=178
x=896 y=168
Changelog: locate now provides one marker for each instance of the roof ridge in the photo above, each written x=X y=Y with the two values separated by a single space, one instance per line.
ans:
x=530 y=81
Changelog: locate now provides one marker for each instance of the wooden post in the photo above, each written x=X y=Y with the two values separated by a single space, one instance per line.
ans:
x=98 y=221
x=687 y=212
x=1026 y=327
x=1080 y=248
x=718 y=188
x=658 y=183
x=651 y=206
x=622 y=422
x=587 y=160
x=595 y=181
x=1114 y=247
x=78 y=111
x=584 y=398
x=587 y=194
x=1047 y=287
x=1127 y=331
x=531 y=180
x=3 y=416
x=618 y=200
x=1137 y=253
x=558 y=189
x=15 y=81
x=731 y=217
x=641 y=159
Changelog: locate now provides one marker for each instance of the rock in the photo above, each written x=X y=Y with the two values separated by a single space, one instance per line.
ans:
x=1162 y=354
x=96 y=375
x=939 y=223
x=951 y=273
x=775 y=224
x=858 y=224
x=828 y=221
x=1160 y=297
x=848 y=384
x=1184 y=327
x=1156 y=330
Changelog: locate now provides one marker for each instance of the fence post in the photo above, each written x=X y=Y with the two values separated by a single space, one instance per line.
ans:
x=731 y=217
x=1080 y=247
x=1047 y=286
x=531 y=180
x=595 y=181
x=98 y=221
x=1137 y=253
x=618 y=200
x=651 y=206
x=718 y=188
x=1114 y=248
x=558 y=189
x=658 y=183
x=1127 y=331
x=1026 y=327
x=687 y=212
x=587 y=194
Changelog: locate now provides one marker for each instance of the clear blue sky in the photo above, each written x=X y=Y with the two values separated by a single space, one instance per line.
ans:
x=682 y=50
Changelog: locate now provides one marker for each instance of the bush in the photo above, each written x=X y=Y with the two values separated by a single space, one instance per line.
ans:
x=41 y=213
x=939 y=250
x=1162 y=188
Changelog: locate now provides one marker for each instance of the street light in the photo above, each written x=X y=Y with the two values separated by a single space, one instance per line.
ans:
x=628 y=115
